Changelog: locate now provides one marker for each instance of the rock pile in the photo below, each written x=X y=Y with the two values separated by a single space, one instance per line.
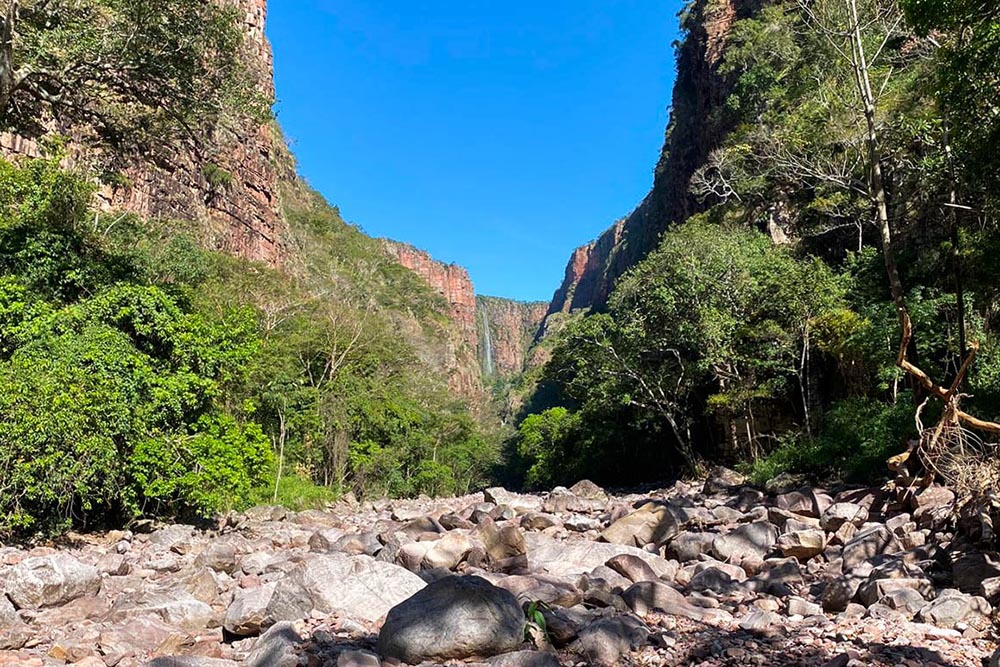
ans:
x=715 y=573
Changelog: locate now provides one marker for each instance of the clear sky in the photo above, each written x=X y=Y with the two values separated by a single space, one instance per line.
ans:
x=497 y=135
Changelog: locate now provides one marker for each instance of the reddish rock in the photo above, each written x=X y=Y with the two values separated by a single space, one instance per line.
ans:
x=512 y=327
x=693 y=133
x=453 y=283
x=245 y=217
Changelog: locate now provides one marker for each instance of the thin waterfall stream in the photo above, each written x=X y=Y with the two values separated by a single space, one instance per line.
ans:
x=488 y=336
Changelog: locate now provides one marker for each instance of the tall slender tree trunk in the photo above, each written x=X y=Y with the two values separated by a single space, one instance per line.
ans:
x=876 y=179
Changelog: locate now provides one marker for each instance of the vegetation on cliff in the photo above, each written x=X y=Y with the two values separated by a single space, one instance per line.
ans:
x=147 y=375
x=856 y=132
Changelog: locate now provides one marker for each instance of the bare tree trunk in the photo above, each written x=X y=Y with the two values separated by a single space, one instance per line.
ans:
x=956 y=254
x=7 y=70
x=875 y=177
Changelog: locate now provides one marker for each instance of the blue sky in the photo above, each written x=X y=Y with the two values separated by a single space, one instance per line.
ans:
x=497 y=135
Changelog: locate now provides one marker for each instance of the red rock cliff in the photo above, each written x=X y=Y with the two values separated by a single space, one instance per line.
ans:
x=453 y=283
x=244 y=216
x=692 y=134
x=507 y=330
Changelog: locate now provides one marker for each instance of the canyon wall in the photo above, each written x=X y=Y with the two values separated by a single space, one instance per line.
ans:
x=694 y=131
x=490 y=337
x=242 y=215
x=453 y=283
x=507 y=331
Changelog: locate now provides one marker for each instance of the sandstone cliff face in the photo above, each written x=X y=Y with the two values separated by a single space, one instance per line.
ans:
x=507 y=330
x=692 y=134
x=490 y=337
x=453 y=283
x=243 y=217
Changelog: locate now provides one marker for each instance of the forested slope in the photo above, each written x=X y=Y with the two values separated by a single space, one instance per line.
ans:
x=764 y=328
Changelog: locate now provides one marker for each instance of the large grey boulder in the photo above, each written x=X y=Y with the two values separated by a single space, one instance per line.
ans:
x=971 y=570
x=453 y=618
x=749 y=540
x=647 y=596
x=247 y=615
x=867 y=544
x=175 y=607
x=275 y=648
x=604 y=641
x=359 y=587
x=8 y=616
x=47 y=581
x=653 y=523
x=690 y=545
x=571 y=558
x=722 y=480
x=952 y=607
x=802 y=544
x=840 y=513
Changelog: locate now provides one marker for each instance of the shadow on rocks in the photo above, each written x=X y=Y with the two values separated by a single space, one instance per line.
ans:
x=731 y=649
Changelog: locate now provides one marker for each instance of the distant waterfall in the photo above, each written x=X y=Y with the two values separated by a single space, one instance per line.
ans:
x=489 y=344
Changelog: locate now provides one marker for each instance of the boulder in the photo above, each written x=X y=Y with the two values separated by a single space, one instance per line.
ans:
x=453 y=618
x=358 y=587
x=722 y=480
x=632 y=568
x=905 y=600
x=690 y=545
x=247 y=615
x=175 y=607
x=867 y=544
x=711 y=579
x=953 y=607
x=653 y=523
x=324 y=540
x=46 y=581
x=8 y=616
x=802 y=544
x=971 y=570
x=218 y=556
x=505 y=545
x=536 y=587
x=524 y=659
x=353 y=658
x=588 y=491
x=647 y=596
x=570 y=558
x=873 y=591
x=604 y=641
x=275 y=648
x=840 y=513
x=751 y=539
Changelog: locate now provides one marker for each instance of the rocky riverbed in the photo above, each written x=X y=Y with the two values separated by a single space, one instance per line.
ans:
x=707 y=573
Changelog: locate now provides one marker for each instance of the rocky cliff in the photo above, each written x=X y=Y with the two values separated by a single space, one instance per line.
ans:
x=695 y=129
x=232 y=187
x=453 y=283
x=507 y=330
x=491 y=337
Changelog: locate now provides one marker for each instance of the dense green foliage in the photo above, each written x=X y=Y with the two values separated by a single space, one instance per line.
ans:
x=144 y=375
x=724 y=346
x=111 y=384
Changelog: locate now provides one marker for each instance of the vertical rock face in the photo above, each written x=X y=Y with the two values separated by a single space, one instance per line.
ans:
x=692 y=134
x=507 y=330
x=453 y=283
x=244 y=214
